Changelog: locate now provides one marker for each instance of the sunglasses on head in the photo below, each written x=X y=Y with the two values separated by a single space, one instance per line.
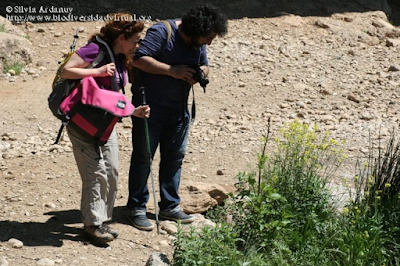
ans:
x=137 y=42
x=129 y=25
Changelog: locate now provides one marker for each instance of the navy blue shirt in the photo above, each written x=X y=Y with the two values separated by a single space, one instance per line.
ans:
x=161 y=90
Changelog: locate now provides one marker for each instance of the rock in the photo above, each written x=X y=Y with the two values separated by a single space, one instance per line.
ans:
x=45 y=262
x=10 y=28
x=158 y=259
x=325 y=92
x=301 y=104
x=50 y=205
x=366 y=116
x=353 y=98
x=4 y=146
x=198 y=197
x=170 y=227
x=18 y=48
x=380 y=23
x=394 y=68
x=3 y=262
x=322 y=24
x=200 y=221
x=15 y=243
x=327 y=118
x=284 y=105
x=12 y=72
x=164 y=243
x=392 y=43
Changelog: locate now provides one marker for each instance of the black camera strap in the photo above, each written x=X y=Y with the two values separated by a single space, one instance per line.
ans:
x=193 y=114
x=184 y=105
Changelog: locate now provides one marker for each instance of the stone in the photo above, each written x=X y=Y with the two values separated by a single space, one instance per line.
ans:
x=45 y=262
x=3 y=262
x=169 y=227
x=15 y=243
x=198 y=197
x=158 y=259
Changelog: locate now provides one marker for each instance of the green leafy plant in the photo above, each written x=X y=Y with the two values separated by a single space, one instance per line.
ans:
x=2 y=28
x=211 y=246
x=300 y=169
x=284 y=214
x=376 y=204
x=13 y=65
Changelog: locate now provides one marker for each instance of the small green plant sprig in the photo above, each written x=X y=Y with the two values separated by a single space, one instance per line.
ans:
x=2 y=28
x=13 y=65
x=374 y=214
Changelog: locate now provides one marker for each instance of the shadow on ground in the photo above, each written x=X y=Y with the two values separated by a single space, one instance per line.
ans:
x=50 y=233
x=60 y=226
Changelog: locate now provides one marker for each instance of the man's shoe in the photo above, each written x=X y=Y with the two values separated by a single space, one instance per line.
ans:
x=112 y=231
x=141 y=222
x=176 y=216
x=98 y=234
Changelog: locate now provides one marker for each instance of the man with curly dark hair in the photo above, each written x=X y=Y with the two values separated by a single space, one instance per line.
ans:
x=164 y=61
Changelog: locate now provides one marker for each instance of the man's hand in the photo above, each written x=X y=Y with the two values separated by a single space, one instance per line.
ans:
x=183 y=72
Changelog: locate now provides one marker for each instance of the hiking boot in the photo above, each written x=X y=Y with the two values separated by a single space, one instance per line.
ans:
x=98 y=234
x=112 y=231
x=140 y=221
x=177 y=215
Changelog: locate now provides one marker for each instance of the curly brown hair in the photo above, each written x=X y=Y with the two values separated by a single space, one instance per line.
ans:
x=118 y=24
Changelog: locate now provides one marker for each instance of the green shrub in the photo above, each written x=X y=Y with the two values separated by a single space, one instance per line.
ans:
x=374 y=214
x=13 y=65
x=211 y=246
x=283 y=213
x=300 y=169
x=2 y=28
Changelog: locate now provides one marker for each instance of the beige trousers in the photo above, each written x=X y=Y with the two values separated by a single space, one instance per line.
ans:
x=99 y=177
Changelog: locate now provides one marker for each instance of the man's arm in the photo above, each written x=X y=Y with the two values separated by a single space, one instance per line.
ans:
x=205 y=69
x=150 y=65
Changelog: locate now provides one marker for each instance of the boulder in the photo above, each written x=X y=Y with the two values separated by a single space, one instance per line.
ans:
x=198 y=197
x=158 y=259
x=15 y=49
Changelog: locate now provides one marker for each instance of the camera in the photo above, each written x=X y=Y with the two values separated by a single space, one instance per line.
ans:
x=200 y=77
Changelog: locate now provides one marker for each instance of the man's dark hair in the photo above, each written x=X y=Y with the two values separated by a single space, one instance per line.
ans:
x=203 y=20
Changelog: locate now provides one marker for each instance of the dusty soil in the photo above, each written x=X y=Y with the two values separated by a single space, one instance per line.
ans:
x=336 y=71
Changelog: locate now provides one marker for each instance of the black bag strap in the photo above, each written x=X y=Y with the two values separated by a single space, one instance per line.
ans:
x=65 y=122
x=114 y=83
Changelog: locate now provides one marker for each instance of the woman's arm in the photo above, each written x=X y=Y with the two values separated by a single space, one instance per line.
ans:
x=75 y=68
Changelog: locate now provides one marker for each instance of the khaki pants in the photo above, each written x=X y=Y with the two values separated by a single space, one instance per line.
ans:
x=99 y=177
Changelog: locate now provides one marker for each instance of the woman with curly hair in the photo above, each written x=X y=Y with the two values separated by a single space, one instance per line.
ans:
x=99 y=174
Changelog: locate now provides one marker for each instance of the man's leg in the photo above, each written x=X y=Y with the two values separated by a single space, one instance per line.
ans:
x=173 y=144
x=140 y=168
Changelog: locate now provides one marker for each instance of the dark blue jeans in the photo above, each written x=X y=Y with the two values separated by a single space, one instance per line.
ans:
x=166 y=127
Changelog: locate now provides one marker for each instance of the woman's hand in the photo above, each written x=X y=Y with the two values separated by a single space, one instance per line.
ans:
x=142 y=111
x=106 y=70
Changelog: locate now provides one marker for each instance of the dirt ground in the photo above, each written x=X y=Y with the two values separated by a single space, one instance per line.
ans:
x=336 y=71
